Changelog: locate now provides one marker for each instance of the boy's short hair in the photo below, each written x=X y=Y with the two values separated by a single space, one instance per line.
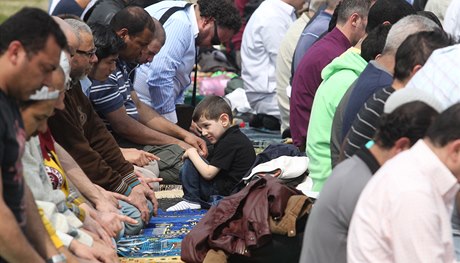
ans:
x=106 y=41
x=211 y=108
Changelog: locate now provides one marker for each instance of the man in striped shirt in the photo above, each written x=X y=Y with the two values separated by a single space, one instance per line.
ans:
x=133 y=123
x=408 y=61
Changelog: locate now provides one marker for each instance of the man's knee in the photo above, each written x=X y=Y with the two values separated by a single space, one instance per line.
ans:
x=134 y=213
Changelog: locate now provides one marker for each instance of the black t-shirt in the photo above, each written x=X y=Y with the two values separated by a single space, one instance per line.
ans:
x=13 y=138
x=234 y=155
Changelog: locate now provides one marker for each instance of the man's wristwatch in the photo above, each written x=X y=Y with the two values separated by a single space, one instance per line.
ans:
x=59 y=258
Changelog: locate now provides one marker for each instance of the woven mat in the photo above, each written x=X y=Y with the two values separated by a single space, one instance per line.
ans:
x=178 y=193
x=161 y=240
x=151 y=260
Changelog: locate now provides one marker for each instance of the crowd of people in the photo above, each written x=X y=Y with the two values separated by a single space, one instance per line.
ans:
x=91 y=97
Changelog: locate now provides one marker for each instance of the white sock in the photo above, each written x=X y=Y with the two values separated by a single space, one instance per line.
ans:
x=183 y=205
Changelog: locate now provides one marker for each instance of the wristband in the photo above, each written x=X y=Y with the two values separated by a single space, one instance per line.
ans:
x=59 y=258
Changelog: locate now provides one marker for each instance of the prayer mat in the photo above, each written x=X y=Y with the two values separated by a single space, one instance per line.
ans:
x=151 y=260
x=161 y=239
x=261 y=138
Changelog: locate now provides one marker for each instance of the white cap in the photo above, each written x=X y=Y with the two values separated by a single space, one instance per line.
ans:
x=405 y=95
x=45 y=94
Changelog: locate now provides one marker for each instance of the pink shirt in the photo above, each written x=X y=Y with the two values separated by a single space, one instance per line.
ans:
x=403 y=214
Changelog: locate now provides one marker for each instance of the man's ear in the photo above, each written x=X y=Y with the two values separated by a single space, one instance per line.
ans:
x=123 y=33
x=415 y=69
x=454 y=150
x=354 y=19
x=401 y=144
x=207 y=20
x=14 y=51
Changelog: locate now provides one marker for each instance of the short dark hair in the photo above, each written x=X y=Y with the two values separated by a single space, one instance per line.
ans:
x=32 y=27
x=374 y=43
x=409 y=120
x=107 y=42
x=335 y=14
x=224 y=11
x=133 y=18
x=431 y=16
x=388 y=11
x=348 y=7
x=211 y=108
x=446 y=127
x=416 y=49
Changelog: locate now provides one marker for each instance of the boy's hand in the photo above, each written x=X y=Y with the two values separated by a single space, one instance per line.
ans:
x=198 y=143
x=187 y=153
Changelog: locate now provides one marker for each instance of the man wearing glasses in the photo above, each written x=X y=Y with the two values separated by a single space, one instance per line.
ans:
x=209 y=22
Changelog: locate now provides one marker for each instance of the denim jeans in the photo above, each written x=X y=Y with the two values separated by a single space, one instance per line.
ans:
x=131 y=211
x=196 y=189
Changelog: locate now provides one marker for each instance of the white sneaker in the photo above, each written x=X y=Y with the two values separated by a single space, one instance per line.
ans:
x=183 y=205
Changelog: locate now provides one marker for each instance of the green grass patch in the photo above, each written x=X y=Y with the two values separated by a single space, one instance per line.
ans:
x=9 y=7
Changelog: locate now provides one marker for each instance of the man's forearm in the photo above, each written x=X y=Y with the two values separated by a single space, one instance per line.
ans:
x=137 y=132
x=35 y=230
x=152 y=119
x=76 y=175
x=14 y=246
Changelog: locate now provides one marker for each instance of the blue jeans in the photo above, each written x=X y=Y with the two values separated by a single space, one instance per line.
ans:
x=131 y=211
x=196 y=189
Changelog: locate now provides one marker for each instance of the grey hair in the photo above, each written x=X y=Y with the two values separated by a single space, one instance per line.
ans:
x=79 y=27
x=348 y=7
x=331 y=4
x=405 y=27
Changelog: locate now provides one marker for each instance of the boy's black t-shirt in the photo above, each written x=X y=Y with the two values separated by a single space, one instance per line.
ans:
x=234 y=155
x=13 y=137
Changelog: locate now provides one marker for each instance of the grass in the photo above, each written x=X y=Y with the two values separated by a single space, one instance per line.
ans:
x=9 y=7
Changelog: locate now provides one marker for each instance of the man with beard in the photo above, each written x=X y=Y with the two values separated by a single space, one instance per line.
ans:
x=209 y=22
x=133 y=123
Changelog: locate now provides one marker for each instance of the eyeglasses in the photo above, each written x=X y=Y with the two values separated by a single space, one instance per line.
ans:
x=89 y=54
x=215 y=39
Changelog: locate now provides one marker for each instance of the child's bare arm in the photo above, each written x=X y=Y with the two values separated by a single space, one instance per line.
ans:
x=206 y=170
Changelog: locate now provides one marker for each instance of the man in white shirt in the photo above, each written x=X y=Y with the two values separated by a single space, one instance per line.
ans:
x=261 y=40
x=403 y=214
x=451 y=21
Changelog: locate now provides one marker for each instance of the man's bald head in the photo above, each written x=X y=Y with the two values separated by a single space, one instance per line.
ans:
x=72 y=39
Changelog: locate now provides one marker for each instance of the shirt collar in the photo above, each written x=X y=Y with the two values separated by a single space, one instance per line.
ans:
x=85 y=85
x=378 y=66
x=192 y=15
x=443 y=179
x=287 y=8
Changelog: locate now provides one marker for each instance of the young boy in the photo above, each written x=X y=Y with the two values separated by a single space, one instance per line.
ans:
x=232 y=157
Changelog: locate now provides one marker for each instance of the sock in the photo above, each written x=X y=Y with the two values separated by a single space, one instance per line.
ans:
x=183 y=205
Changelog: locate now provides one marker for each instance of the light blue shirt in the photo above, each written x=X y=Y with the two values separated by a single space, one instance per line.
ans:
x=161 y=83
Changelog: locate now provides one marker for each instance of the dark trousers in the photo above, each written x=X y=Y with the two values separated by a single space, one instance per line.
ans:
x=196 y=189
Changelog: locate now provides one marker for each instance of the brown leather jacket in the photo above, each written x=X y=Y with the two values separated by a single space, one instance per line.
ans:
x=240 y=221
